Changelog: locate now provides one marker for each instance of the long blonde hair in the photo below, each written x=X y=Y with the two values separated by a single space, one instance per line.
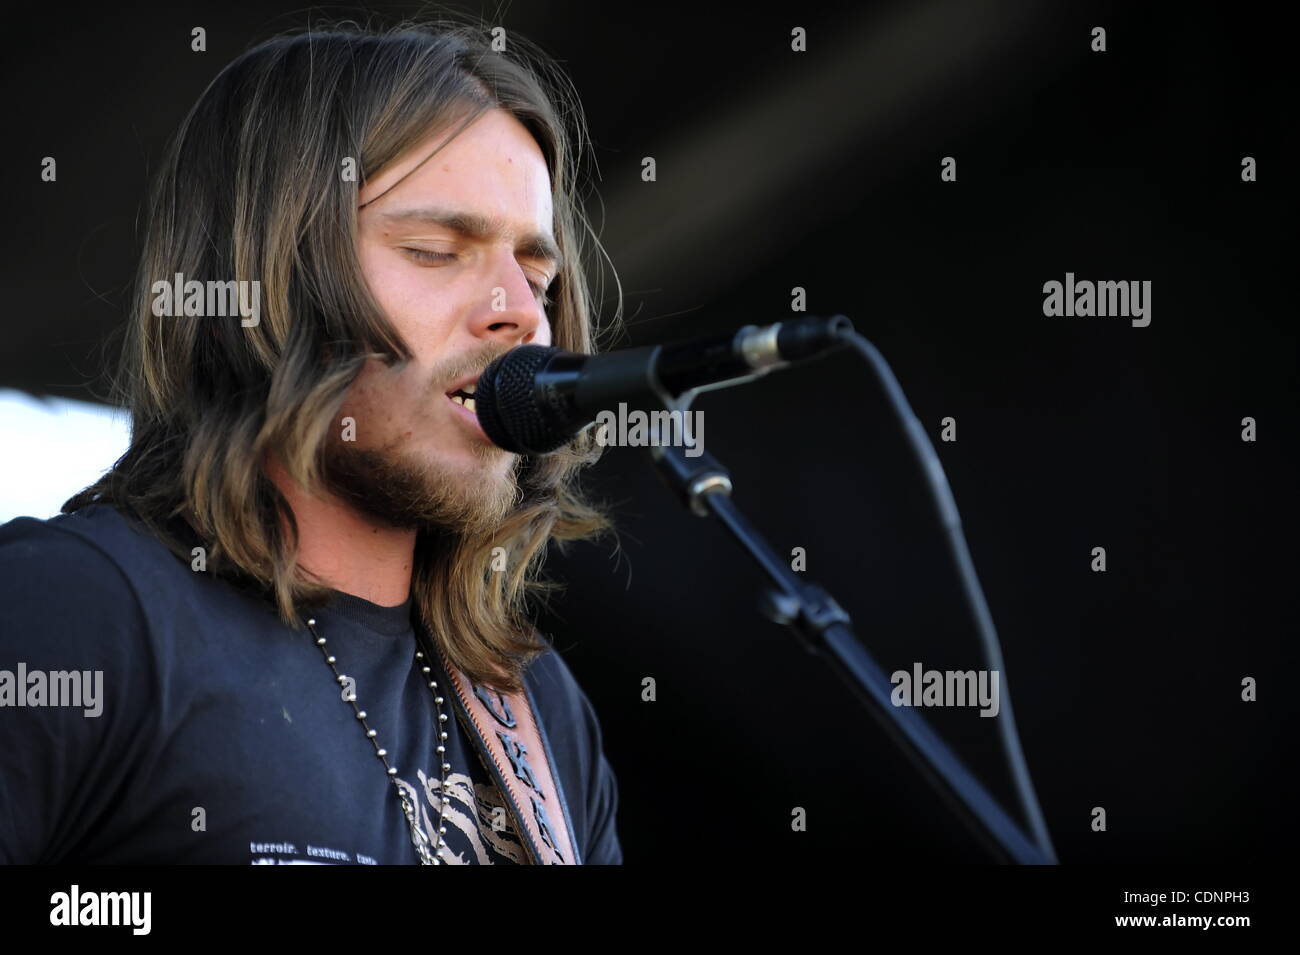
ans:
x=250 y=189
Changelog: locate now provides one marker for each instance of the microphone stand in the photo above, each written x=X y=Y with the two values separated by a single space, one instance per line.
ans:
x=823 y=628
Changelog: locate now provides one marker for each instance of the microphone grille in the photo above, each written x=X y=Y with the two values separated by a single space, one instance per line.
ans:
x=507 y=404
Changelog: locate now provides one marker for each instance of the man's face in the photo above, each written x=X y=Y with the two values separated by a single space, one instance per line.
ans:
x=459 y=255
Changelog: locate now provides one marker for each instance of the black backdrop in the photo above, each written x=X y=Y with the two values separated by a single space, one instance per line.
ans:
x=821 y=170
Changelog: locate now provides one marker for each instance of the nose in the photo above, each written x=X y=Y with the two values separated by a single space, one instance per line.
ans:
x=513 y=313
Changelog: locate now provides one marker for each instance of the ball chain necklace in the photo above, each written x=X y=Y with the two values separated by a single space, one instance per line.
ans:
x=420 y=838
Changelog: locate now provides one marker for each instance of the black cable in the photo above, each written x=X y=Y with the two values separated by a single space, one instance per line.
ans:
x=951 y=520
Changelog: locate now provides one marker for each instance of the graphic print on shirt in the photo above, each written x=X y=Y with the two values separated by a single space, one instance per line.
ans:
x=470 y=839
x=468 y=821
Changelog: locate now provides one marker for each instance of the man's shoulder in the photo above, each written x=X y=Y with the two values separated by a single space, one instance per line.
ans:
x=96 y=529
x=106 y=558
x=99 y=526
x=560 y=699
x=549 y=677
x=70 y=602
x=85 y=547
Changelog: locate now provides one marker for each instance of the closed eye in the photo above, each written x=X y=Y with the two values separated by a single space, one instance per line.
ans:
x=424 y=255
x=438 y=258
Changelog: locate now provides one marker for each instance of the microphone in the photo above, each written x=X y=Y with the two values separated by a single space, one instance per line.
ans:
x=534 y=399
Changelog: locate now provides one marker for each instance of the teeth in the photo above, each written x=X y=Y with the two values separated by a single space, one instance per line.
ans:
x=469 y=389
x=467 y=402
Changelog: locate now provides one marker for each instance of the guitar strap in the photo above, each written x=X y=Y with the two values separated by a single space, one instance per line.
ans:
x=510 y=741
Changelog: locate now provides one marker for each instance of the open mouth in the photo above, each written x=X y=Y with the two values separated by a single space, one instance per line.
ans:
x=464 y=395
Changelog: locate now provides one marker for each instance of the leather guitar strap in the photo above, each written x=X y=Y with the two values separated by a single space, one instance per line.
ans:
x=507 y=728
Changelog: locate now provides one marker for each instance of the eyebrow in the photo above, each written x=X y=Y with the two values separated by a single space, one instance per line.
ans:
x=472 y=225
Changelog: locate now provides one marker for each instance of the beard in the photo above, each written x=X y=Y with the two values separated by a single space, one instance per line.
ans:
x=394 y=488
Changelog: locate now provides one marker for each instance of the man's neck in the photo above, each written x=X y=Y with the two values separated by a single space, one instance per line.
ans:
x=345 y=550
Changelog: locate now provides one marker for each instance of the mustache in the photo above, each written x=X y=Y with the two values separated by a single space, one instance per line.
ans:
x=473 y=361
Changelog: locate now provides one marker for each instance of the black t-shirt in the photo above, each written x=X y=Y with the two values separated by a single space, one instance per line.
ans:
x=192 y=726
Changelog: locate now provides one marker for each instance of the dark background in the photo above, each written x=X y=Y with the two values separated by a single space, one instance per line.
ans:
x=821 y=170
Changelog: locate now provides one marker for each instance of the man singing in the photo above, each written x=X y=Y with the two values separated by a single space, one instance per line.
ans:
x=306 y=585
